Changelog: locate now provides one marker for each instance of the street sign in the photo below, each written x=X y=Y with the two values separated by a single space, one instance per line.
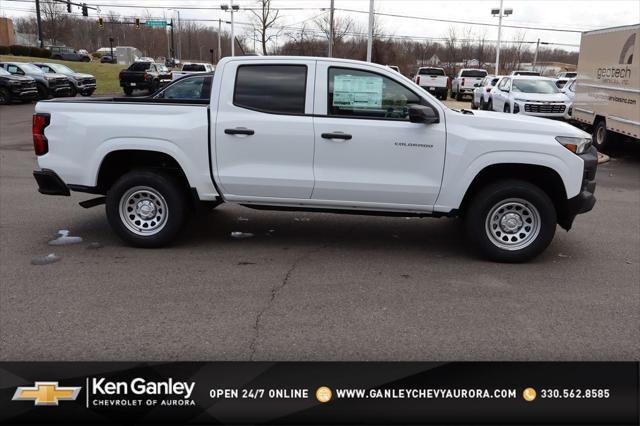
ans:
x=156 y=23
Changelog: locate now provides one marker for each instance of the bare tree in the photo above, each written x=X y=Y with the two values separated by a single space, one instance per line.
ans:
x=264 y=21
x=54 y=19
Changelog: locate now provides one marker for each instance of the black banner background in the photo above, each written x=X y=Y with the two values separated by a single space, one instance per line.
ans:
x=621 y=408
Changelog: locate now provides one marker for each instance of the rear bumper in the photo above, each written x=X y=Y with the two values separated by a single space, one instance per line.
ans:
x=585 y=200
x=49 y=183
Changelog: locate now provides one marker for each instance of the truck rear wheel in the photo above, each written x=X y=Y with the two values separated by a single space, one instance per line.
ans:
x=146 y=209
x=458 y=96
x=5 y=98
x=128 y=91
x=602 y=138
x=511 y=221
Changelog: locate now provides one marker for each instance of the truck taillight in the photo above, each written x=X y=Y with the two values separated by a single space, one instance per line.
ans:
x=462 y=82
x=146 y=76
x=418 y=80
x=40 y=142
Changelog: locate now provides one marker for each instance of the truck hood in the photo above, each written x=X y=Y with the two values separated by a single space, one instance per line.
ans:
x=55 y=75
x=17 y=77
x=79 y=75
x=519 y=123
x=541 y=97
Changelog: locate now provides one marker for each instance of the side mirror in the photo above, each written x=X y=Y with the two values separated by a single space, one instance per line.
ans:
x=423 y=114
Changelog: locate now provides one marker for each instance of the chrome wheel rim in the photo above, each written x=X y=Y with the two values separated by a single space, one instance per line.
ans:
x=513 y=224
x=143 y=210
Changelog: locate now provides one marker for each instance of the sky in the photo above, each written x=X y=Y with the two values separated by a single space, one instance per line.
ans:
x=576 y=15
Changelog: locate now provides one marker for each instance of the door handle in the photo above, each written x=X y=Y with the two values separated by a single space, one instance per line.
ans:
x=336 y=135
x=239 y=131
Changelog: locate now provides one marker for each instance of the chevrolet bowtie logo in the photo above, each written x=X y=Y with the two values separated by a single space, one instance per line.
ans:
x=46 y=393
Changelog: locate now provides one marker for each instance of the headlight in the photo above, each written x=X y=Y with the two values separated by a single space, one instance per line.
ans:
x=577 y=145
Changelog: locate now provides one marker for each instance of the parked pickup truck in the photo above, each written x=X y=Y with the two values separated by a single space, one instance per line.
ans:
x=433 y=80
x=315 y=134
x=16 y=88
x=142 y=76
x=466 y=81
x=192 y=68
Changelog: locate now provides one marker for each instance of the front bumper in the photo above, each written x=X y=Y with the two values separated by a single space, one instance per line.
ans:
x=20 y=93
x=49 y=183
x=61 y=90
x=585 y=200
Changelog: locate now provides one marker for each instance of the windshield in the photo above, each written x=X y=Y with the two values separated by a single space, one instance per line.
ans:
x=534 y=86
x=62 y=69
x=28 y=68
x=162 y=68
x=193 y=67
x=473 y=73
x=431 y=71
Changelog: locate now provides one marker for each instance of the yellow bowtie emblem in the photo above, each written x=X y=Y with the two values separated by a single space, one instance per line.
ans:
x=46 y=393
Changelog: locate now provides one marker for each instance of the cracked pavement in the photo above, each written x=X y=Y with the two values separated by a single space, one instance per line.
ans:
x=310 y=286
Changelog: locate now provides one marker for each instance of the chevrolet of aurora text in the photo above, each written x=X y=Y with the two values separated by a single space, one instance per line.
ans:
x=315 y=134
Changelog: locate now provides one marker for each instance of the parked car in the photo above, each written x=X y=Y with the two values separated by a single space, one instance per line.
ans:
x=108 y=59
x=192 y=68
x=560 y=82
x=85 y=84
x=16 y=88
x=482 y=94
x=569 y=90
x=314 y=134
x=608 y=88
x=433 y=80
x=68 y=54
x=48 y=85
x=567 y=74
x=529 y=95
x=466 y=81
x=164 y=74
x=522 y=72
x=140 y=75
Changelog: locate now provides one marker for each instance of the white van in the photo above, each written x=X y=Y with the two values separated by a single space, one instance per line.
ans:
x=608 y=83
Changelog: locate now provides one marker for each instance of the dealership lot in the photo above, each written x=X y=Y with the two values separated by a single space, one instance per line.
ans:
x=310 y=286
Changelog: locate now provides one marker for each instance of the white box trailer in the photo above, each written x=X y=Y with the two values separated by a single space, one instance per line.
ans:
x=608 y=83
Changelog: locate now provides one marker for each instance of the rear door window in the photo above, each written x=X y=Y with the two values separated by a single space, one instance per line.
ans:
x=275 y=89
x=190 y=88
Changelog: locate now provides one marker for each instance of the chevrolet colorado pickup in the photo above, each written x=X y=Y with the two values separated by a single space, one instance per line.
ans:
x=315 y=134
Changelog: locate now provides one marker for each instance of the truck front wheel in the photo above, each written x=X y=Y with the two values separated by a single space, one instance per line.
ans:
x=602 y=138
x=511 y=221
x=146 y=209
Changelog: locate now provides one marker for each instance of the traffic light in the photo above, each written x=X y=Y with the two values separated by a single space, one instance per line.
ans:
x=69 y=6
x=101 y=23
x=137 y=23
x=85 y=10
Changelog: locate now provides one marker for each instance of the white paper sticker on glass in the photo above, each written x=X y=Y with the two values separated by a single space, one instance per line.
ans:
x=357 y=91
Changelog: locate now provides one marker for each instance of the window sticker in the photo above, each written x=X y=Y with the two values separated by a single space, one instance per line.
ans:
x=357 y=91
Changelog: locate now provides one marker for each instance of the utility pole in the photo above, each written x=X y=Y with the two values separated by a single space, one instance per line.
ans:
x=39 y=19
x=331 y=30
x=233 y=36
x=370 y=38
x=219 y=44
x=535 y=57
x=173 y=47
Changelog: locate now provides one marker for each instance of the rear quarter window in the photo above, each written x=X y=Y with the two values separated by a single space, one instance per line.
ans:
x=431 y=71
x=473 y=73
x=140 y=66
x=275 y=89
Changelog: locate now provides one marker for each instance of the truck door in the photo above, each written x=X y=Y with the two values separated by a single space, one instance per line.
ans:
x=264 y=130
x=499 y=97
x=368 y=153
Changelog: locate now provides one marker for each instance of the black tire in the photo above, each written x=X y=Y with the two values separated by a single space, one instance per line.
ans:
x=128 y=91
x=88 y=92
x=473 y=104
x=160 y=189
x=490 y=105
x=601 y=138
x=507 y=109
x=489 y=211
x=5 y=97
x=155 y=85
x=43 y=92
x=74 y=91
x=483 y=106
x=458 y=96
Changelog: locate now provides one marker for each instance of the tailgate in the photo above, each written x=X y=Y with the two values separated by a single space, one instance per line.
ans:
x=133 y=76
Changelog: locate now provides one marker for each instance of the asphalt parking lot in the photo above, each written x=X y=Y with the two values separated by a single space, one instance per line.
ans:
x=310 y=286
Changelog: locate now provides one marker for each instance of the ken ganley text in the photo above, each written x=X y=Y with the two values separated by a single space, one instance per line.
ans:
x=139 y=392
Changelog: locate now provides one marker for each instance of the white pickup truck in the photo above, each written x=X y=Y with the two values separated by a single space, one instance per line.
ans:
x=315 y=134
x=466 y=81
x=192 y=68
x=433 y=80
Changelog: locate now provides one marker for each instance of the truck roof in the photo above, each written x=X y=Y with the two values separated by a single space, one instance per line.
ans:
x=300 y=58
